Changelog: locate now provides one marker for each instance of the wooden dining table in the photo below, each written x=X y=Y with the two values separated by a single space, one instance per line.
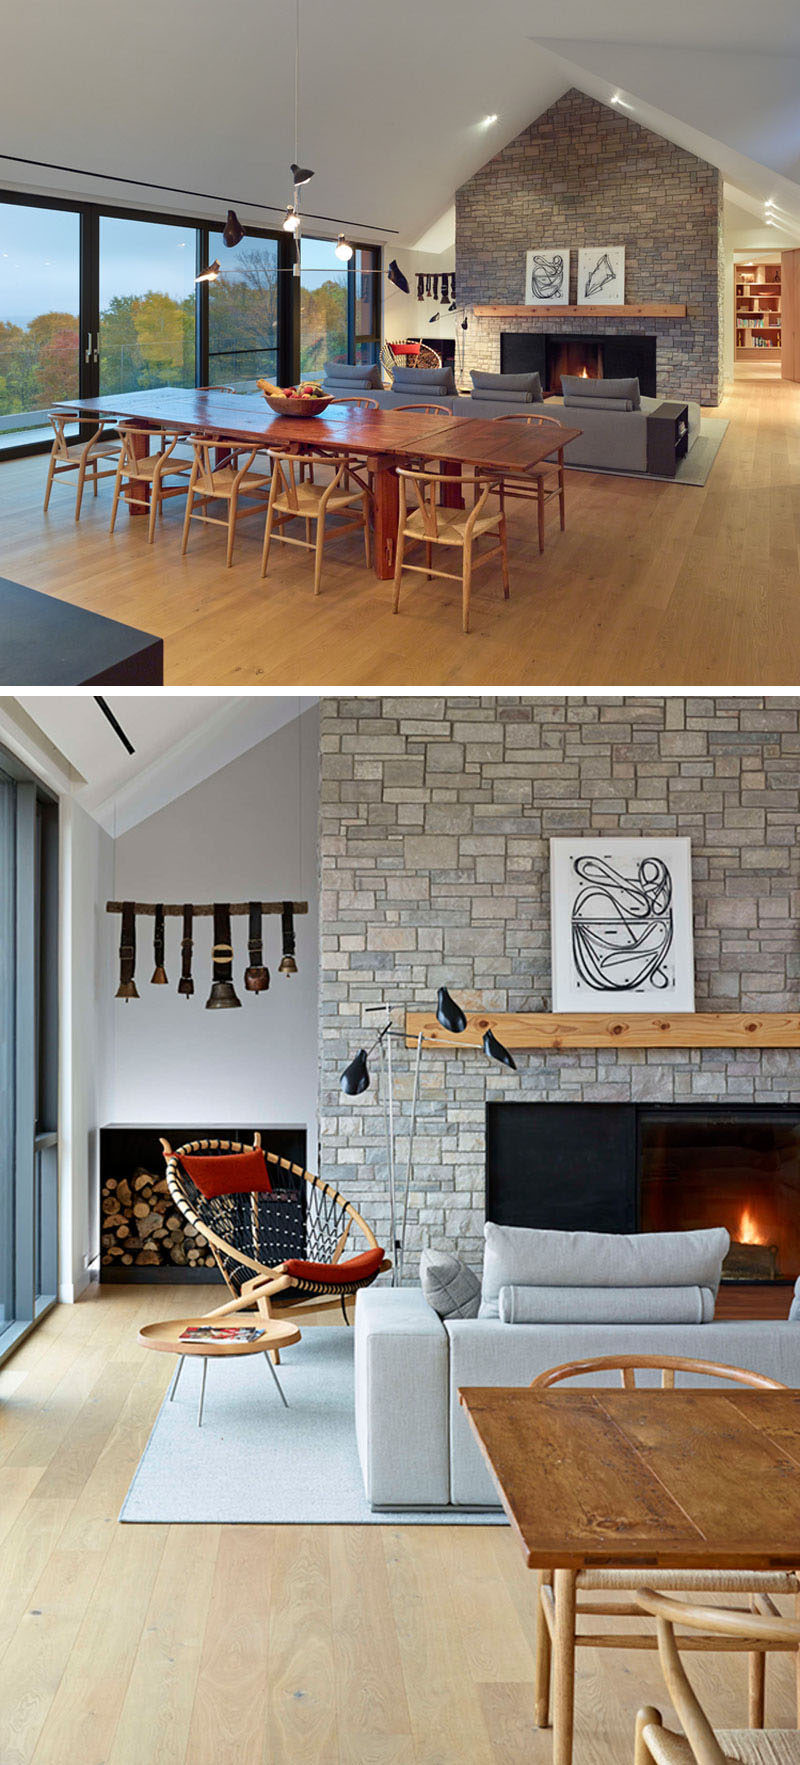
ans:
x=388 y=438
x=645 y=1479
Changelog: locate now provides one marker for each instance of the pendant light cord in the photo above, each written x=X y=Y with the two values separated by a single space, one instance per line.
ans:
x=297 y=82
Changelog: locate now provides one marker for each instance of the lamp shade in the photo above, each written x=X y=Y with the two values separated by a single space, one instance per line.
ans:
x=496 y=1051
x=355 y=1077
x=210 y=273
x=301 y=174
x=449 y=1014
x=343 y=248
x=396 y=276
x=233 y=230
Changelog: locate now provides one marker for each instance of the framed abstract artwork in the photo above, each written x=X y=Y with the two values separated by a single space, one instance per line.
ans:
x=621 y=924
x=547 y=276
x=601 y=276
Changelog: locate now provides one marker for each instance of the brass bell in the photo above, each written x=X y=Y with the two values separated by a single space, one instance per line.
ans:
x=222 y=996
x=186 y=986
x=126 y=990
x=256 y=980
x=256 y=977
x=158 y=977
x=287 y=963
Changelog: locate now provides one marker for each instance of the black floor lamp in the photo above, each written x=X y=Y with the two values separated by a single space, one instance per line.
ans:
x=356 y=1079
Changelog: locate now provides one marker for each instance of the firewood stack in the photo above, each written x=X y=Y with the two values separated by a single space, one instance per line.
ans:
x=142 y=1227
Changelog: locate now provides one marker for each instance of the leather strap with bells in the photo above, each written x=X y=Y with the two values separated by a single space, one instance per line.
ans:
x=222 y=990
x=159 y=975
x=256 y=976
x=127 y=953
x=186 y=984
x=287 y=962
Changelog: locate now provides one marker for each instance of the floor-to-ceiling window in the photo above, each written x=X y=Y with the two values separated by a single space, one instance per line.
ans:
x=39 y=315
x=323 y=306
x=28 y=1052
x=147 y=304
x=243 y=311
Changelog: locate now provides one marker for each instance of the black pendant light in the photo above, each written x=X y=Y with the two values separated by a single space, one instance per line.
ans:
x=222 y=996
x=256 y=976
x=496 y=1051
x=355 y=1077
x=396 y=276
x=159 y=976
x=449 y=1014
x=287 y=963
x=233 y=231
x=186 y=984
x=210 y=273
x=301 y=174
x=127 y=953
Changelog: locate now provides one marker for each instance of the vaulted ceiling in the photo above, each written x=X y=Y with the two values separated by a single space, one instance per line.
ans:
x=393 y=98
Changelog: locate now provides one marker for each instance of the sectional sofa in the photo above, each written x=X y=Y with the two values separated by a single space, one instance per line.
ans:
x=614 y=432
x=415 y=1446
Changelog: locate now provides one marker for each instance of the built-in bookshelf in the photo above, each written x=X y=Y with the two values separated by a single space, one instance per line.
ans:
x=757 y=308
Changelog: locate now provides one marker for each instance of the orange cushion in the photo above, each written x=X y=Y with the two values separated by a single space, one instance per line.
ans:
x=230 y=1173
x=333 y=1274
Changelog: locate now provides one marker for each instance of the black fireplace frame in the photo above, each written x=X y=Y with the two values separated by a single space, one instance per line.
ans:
x=612 y=1157
x=624 y=355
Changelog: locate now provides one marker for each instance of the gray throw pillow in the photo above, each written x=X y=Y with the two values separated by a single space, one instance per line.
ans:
x=353 y=374
x=498 y=400
x=407 y=380
x=589 y=388
x=501 y=385
x=576 y=402
x=451 y=1289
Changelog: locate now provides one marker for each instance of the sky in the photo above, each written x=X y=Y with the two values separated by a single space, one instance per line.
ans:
x=39 y=258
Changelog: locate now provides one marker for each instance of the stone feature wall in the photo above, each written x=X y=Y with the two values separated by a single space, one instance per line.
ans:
x=435 y=819
x=584 y=174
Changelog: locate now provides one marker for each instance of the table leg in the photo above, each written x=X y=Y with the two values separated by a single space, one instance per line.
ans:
x=544 y=1652
x=202 y=1391
x=284 y=1399
x=137 y=494
x=563 y=1666
x=452 y=494
x=387 y=514
x=178 y=1372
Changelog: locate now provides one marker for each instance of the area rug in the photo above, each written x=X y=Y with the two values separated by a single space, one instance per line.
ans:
x=254 y=1462
x=696 y=467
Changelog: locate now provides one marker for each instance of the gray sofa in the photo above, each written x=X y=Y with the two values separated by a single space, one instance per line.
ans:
x=614 y=439
x=415 y=1446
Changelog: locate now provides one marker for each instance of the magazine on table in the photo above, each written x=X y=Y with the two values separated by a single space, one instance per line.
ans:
x=220 y=1333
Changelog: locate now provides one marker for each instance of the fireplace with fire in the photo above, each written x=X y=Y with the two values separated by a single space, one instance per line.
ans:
x=591 y=355
x=627 y=1167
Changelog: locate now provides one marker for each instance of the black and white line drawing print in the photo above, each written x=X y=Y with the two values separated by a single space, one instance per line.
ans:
x=601 y=275
x=547 y=277
x=621 y=923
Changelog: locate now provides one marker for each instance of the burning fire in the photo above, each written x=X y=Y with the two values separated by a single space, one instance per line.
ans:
x=747 y=1231
x=583 y=374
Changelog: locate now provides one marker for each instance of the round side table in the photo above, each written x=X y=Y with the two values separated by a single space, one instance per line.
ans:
x=166 y=1338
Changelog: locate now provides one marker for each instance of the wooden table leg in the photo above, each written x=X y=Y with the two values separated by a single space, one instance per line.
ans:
x=137 y=494
x=564 y=1666
x=387 y=514
x=452 y=494
x=541 y=1689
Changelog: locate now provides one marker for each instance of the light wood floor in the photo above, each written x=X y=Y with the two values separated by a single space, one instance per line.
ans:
x=243 y=1645
x=651 y=585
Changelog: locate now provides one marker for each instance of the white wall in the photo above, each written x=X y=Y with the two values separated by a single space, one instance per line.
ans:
x=248 y=831
x=403 y=314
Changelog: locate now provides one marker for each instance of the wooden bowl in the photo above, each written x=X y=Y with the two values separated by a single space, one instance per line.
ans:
x=296 y=407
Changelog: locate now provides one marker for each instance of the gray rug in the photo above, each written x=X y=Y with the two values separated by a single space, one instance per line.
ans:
x=694 y=469
x=254 y=1462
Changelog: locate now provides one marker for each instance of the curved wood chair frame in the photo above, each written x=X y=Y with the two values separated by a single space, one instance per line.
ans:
x=429 y=524
x=149 y=471
x=426 y=357
x=82 y=457
x=559 y=1605
x=425 y=410
x=656 y=1745
x=543 y=482
x=223 y=479
x=270 y=1282
x=292 y=497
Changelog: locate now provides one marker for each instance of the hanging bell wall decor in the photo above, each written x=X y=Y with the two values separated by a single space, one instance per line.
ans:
x=222 y=996
x=287 y=962
x=127 y=953
x=256 y=977
x=186 y=984
x=159 y=976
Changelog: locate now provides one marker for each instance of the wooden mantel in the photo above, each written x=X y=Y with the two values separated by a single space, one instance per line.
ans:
x=545 y=1030
x=653 y=310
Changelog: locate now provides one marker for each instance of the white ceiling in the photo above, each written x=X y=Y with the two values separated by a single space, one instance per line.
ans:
x=392 y=97
x=179 y=739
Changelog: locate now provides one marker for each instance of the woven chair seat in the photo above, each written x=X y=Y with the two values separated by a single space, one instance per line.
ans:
x=692 y=1580
x=451 y=528
x=308 y=497
x=743 y=1746
x=103 y=450
x=220 y=481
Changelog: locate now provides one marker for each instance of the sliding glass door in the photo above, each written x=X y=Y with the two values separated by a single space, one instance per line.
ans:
x=243 y=308
x=40 y=328
x=28 y=1053
x=147 y=304
x=323 y=307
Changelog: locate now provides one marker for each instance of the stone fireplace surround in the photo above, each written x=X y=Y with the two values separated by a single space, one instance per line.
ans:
x=435 y=818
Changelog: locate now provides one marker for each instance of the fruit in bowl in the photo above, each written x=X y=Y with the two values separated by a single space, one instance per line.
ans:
x=306 y=400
